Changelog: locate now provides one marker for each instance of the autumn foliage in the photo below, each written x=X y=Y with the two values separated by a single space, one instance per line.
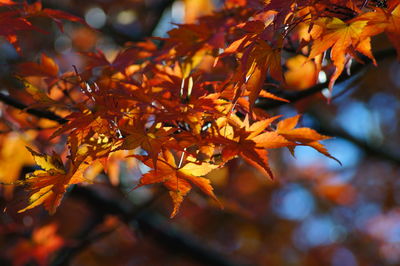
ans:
x=179 y=107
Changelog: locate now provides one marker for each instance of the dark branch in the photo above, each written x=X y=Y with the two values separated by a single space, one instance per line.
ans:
x=265 y=104
x=148 y=223
x=38 y=113
x=156 y=11
x=152 y=12
x=294 y=96
x=376 y=151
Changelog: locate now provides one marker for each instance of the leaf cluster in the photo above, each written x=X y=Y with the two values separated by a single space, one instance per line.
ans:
x=186 y=106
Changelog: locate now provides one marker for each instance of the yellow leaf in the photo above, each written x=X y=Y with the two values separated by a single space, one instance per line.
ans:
x=48 y=186
x=197 y=169
x=48 y=162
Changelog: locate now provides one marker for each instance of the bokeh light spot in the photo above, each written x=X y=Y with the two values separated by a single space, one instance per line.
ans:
x=126 y=17
x=293 y=203
x=96 y=17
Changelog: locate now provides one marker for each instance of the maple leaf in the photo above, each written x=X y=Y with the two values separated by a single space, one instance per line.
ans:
x=48 y=186
x=265 y=60
x=303 y=136
x=97 y=115
x=36 y=10
x=179 y=178
x=250 y=142
x=257 y=58
x=40 y=96
x=343 y=38
x=46 y=68
x=151 y=140
x=11 y=24
x=14 y=21
x=387 y=20
x=171 y=101
x=57 y=16
x=127 y=57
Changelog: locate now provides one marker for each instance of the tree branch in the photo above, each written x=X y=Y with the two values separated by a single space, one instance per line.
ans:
x=266 y=104
x=157 y=10
x=87 y=237
x=148 y=223
x=153 y=13
x=294 y=96
x=379 y=152
x=38 y=113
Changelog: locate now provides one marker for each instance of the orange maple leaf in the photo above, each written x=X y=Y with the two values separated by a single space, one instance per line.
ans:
x=46 y=68
x=387 y=20
x=343 y=38
x=302 y=136
x=179 y=178
x=250 y=142
x=48 y=186
x=151 y=140
x=36 y=10
x=259 y=59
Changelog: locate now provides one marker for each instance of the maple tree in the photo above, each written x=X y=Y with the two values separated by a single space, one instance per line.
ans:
x=179 y=108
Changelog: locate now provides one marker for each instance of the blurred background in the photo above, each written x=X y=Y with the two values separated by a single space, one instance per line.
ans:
x=316 y=212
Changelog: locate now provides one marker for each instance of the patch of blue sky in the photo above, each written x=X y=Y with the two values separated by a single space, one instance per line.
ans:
x=170 y=17
x=346 y=152
x=357 y=119
x=318 y=231
x=293 y=202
